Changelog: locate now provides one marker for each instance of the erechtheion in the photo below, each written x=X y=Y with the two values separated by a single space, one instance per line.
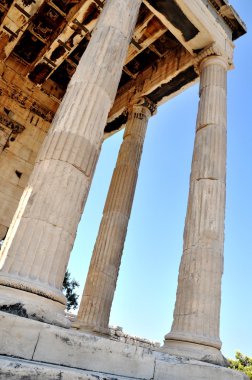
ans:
x=73 y=72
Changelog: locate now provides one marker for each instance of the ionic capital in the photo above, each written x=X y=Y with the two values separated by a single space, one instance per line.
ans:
x=14 y=126
x=213 y=54
x=146 y=105
x=213 y=60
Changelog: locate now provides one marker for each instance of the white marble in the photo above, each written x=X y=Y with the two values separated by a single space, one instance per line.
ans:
x=103 y=272
x=37 y=248
x=197 y=309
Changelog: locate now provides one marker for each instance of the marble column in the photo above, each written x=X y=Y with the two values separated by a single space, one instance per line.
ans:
x=37 y=247
x=101 y=281
x=195 y=329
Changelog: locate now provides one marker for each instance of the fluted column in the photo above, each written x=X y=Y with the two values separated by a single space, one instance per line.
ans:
x=36 y=251
x=195 y=329
x=101 y=281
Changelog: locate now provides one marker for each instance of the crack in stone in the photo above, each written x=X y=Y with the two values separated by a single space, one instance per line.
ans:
x=35 y=346
x=210 y=178
x=205 y=126
x=154 y=369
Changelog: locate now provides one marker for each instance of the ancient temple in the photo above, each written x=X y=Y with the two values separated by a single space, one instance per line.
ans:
x=73 y=72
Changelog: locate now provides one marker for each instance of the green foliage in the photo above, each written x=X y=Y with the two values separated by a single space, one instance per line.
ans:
x=69 y=286
x=242 y=363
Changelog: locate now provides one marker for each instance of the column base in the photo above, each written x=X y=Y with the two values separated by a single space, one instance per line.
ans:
x=95 y=330
x=34 y=287
x=195 y=351
x=33 y=306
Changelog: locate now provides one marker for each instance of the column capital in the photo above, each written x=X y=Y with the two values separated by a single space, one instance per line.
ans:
x=213 y=54
x=213 y=60
x=145 y=103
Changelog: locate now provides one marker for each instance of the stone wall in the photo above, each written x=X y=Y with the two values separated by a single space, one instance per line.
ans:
x=25 y=116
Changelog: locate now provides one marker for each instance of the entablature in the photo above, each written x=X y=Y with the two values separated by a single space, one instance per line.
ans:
x=42 y=42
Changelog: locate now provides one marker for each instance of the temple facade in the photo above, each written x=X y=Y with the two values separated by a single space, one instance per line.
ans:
x=72 y=73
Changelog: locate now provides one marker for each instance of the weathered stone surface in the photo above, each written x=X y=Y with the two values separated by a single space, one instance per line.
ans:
x=94 y=353
x=182 y=369
x=55 y=345
x=37 y=248
x=197 y=310
x=25 y=116
x=50 y=60
x=18 y=369
x=118 y=334
x=102 y=276
x=17 y=157
x=18 y=337
x=57 y=353
x=29 y=305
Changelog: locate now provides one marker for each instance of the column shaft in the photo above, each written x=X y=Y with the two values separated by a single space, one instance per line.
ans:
x=36 y=251
x=101 y=281
x=197 y=309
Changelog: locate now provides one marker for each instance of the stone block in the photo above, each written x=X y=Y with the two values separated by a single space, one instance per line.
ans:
x=17 y=369
x=18 y=336
x=28 y=339
x=54 y=353
x=175 y=368
x=91 y=352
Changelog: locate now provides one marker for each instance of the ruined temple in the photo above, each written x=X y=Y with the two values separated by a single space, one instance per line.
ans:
x=72 y=73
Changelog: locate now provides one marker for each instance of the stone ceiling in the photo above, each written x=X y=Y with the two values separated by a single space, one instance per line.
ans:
x=43 y=40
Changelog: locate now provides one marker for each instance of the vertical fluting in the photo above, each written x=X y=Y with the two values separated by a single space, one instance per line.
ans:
x=36 y=251
x=101 y=281
x=197 y=309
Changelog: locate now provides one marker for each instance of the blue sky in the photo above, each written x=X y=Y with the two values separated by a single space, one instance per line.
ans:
x=146 y=289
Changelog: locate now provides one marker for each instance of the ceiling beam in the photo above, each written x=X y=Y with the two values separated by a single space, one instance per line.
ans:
x=15 y=23
x=210 y=25
x=165 y=70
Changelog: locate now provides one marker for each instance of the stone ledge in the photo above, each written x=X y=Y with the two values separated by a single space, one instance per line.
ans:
x=188 y=369
x=33 y=340
x=53 y=353
x=18 y=369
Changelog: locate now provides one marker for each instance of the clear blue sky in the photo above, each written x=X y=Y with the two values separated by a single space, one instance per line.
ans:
x=146 y=289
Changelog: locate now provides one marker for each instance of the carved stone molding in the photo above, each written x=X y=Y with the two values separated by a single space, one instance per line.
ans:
x=42 y=112
x=24 y=101
x=146 y=102
x=11 y=124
